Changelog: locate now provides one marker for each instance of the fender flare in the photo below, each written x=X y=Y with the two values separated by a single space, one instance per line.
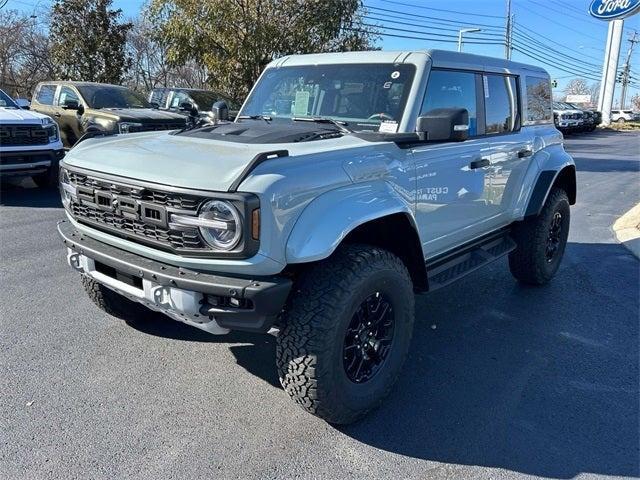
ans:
x=328 y=219
x=545 y=182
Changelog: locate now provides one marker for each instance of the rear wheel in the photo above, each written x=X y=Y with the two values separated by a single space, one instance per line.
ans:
x=346 y=333
x=541 y=241
x=621 y=120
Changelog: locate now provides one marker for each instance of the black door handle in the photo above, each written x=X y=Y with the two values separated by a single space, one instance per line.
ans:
x=525 y=152
x=481 y=162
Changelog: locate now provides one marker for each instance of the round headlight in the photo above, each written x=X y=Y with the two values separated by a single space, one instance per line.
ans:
x=223 y=238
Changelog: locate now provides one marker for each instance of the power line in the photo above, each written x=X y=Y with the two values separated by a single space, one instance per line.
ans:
x=404 y=30
x=437 y=19
x=584 y=18
x=530 y=40
x=533 y=32
x=545 y=61
x=404 y=23
x=555 y=22
x=441 y=10
x=421 y=38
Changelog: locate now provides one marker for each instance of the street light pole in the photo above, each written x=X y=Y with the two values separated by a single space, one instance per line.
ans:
x=465 y=30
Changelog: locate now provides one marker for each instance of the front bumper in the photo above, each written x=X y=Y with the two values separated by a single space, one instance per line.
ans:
x=213 y=303
x=28 y=162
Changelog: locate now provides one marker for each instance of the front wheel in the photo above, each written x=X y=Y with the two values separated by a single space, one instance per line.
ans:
x=346 y=333
x=541 y=241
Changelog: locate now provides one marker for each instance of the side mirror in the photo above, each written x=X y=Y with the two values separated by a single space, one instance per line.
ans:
x=71 y=105
x=189 y=107
x=444 y=124
x=220 y=111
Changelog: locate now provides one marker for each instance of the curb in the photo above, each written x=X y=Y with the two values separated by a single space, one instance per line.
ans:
x=627 y=230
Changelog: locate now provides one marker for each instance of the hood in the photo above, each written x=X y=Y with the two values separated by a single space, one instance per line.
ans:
x=14 y=115
x=144 y=115
x=185 y=161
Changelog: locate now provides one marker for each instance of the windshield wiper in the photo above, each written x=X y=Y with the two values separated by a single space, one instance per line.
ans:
x=338 y=123
x=266 y=118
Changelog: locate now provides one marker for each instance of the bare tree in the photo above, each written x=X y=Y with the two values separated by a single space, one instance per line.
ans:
x=577 y=86
x=24 y=53
x=149 y=62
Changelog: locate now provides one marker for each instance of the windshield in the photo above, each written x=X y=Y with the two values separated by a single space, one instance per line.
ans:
x=363 y=95
x=205 y=100
x=6 y=101
x=105 y=96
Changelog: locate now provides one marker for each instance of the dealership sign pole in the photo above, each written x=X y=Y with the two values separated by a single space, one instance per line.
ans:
x=613 y=11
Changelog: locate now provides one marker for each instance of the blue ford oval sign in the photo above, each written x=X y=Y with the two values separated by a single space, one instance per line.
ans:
x=613 y=9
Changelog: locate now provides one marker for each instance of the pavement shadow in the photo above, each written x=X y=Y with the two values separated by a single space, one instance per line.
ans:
x=604 y=164
x=256 y=353
x=23 y=192
x=541 y=381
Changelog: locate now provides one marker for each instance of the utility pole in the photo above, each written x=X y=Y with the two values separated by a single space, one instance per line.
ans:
x=508 y=32
x=609 y=69
x=626 y=70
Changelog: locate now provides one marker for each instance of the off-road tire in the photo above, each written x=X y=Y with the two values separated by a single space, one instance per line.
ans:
x=528 y=262
x=113 y=303
x=309 y=351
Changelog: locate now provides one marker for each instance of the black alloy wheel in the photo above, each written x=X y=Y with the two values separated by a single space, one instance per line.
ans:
x=368 y=338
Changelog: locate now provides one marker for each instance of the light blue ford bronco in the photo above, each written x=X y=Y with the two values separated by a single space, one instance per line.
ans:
x=348 y=183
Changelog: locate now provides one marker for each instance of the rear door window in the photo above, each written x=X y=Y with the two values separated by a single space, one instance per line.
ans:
x=501 y=104
x=538 y=100
x=452 y=89
x=45 y=94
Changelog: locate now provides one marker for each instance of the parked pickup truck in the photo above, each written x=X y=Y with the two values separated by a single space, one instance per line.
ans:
x=86 y=108
x=567 y=119
x=190 y=101
x=29 y=144
x=349 y=183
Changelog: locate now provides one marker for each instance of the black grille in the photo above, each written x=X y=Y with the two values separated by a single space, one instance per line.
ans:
x=166 y=199
x=178 y=240
x=155 y=127
x=131 y=218
x=24 y=135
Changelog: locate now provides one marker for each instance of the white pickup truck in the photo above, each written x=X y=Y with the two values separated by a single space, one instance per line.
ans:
x=30 y=144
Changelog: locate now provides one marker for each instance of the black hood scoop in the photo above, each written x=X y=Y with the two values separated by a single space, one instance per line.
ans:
x=261 y=131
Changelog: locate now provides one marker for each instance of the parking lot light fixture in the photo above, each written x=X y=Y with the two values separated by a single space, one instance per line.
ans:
x=465 y=30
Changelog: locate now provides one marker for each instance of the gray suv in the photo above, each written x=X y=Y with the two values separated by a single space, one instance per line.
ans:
x=348 y=183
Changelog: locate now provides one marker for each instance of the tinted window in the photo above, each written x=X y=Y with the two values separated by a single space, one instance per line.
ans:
x=448 y=89
x=501 y=103
x=106 y=96
x=67 y=94
x=538 y=99
x=361 y=94
x=159 y=96
x=45 y=94
x=6 y=101
x=178 y=98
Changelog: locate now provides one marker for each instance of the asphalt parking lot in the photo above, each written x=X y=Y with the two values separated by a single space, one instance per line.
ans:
x=502 y=380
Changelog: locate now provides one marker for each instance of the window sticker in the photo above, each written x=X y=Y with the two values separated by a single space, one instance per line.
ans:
x=301 y=107
x=486 y=86
x=388 y=126
x=387 y=84
x=395 y=75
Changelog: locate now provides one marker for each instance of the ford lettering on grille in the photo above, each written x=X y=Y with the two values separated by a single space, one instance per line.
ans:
x=129 y=208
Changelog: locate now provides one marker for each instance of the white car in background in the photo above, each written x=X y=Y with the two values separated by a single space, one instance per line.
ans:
x=622 y=116
x=30 y=144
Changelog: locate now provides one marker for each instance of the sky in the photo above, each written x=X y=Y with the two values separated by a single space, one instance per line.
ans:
x=558 y=36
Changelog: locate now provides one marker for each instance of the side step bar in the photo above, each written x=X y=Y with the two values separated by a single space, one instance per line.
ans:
x=450 y=267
